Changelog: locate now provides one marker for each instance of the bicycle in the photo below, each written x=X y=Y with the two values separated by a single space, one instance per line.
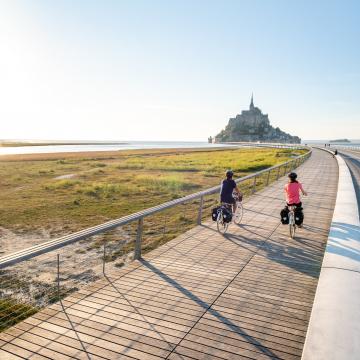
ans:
x=222 y=222
x=292 y=225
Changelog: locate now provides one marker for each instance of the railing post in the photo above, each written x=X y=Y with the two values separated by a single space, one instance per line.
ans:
x=164 y=229
x=278 y=173
x=58 y=276
x=254 y=185
x=137 y=254
x=268 y=178
x=285 y=168
x=104 y=256
x=200 y=210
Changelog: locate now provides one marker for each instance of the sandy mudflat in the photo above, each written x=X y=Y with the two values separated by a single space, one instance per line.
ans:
x=102 y=154
x=80 y=263
x=11 y=242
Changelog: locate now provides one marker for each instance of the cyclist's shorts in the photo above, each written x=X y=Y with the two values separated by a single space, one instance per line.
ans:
x=228 y=201
x=297 y=205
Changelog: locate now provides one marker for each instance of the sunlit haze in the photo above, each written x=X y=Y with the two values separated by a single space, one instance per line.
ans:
x=177 y=70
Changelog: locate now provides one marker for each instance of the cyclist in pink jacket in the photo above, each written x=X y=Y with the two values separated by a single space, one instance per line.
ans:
x=292 y=191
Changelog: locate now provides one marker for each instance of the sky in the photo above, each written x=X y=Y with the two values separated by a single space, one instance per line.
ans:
x=177 y=70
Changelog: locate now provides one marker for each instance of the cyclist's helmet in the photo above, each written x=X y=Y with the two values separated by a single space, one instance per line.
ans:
x=229 y=174
x=292 y=176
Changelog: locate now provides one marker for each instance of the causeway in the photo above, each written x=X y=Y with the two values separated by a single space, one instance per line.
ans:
x=203 y=295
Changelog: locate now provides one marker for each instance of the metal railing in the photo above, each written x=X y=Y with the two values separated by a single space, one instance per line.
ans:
x=344 y=147
x=34 y=277
x=272 y=145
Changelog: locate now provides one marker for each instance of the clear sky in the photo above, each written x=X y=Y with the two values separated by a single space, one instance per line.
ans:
x=177 y=70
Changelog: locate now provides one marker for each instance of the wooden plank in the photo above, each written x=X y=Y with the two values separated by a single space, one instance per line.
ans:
x=168 y=313
x=230 y=337
x=169 y=335
x=265 y=317
x=23 y=353
x=171 y=308
x=263 y=307
x=51 y=348
x=63 y=320
x=84 y=349
x=230 y=350
x=97 y=340
x=28 y=350
x=200 y=352
x=4 y=355
x=133 y=318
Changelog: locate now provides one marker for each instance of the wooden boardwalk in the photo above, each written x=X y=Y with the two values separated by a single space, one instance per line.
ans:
x=246 y=295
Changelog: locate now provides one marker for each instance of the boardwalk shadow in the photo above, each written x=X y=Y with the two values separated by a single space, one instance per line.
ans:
x=136 y=310
x=83 y=347
x=340 y=237
x=207 y=308
x=302 y=256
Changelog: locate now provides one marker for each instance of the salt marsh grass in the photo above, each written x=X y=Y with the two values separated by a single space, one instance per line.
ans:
x=104 y=186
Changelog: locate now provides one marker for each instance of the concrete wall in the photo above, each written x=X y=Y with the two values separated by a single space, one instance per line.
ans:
x=334 y=328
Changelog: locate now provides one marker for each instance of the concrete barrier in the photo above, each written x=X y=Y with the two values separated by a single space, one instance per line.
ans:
x=334 y=327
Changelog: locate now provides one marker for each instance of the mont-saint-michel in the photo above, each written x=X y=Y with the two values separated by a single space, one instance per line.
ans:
x=252 y=125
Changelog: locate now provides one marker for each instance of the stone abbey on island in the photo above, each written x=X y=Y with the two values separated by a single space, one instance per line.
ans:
x=253 y=126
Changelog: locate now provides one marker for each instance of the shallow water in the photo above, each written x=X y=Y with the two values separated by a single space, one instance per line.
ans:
x=132 y=145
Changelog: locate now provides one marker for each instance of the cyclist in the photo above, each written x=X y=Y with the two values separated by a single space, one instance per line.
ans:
x=292 y=191
x=228 y=187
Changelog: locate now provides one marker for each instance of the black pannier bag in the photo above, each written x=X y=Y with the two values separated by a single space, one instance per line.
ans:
x=227 y=215
x=299 y=216
x=284 y=214
x=214 y=213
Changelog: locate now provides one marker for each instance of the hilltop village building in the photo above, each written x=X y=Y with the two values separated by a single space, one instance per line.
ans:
x=252 y=125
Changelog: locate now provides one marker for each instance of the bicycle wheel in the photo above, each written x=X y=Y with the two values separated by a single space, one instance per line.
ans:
x=292 y=228
x=221 y=225
x=238 y=213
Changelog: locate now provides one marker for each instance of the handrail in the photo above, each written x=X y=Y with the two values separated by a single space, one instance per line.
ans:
x=57 y=243
x=346 y=147
x=257 y=144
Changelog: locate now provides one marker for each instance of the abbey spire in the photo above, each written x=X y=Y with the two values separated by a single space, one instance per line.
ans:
x=252 y=102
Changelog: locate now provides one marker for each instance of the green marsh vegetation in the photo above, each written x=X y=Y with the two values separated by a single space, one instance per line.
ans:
x=70 y=193
x=13 y=312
